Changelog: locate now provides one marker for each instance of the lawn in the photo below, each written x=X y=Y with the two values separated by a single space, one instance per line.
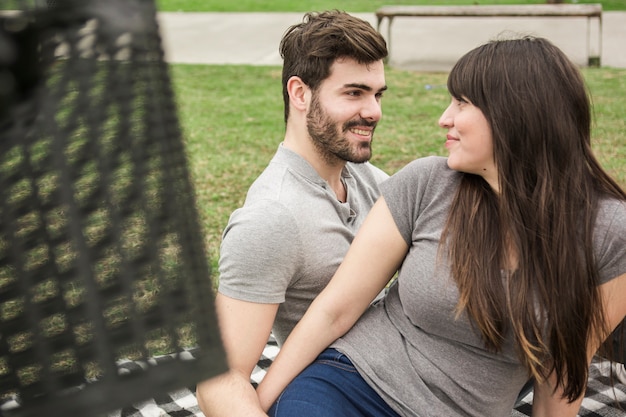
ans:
x=348 y=5
x=232 y=115
x=232 y=122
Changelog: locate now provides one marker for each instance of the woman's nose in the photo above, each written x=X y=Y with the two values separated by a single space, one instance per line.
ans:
x=446 y=120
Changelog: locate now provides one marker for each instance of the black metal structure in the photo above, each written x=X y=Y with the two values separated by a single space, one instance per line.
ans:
x=101 y=253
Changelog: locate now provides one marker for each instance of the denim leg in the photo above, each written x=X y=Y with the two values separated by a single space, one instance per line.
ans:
x=330 y=386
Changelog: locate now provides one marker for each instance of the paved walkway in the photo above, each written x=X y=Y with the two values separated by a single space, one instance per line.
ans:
x=425 y=44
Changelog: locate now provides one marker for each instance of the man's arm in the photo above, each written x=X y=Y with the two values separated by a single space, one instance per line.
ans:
x=245 y=328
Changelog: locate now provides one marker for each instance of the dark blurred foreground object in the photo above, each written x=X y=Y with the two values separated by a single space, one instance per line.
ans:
x=101 y=252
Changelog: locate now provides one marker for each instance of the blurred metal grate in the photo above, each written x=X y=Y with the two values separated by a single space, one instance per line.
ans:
x=101 y=253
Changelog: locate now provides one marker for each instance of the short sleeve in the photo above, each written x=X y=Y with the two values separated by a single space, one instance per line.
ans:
x=259 y=254
x=419 y=183
x=610 y=239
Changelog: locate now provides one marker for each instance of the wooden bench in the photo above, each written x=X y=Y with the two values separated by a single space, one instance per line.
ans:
x=590 y=11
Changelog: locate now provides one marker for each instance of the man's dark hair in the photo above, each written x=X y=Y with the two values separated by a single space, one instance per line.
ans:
x=310 y=48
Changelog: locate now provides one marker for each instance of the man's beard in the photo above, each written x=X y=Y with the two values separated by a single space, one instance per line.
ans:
x=332 y=144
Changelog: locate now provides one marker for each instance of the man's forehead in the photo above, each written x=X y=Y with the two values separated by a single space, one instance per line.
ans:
x=348 y=62
x=348 y=73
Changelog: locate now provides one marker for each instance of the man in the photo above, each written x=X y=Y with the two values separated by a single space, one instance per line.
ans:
x=282 y=247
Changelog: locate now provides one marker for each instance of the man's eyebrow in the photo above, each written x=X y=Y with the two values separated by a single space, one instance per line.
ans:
x=363 y=87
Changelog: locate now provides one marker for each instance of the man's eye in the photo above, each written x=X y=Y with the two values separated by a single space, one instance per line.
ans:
x=354 y=93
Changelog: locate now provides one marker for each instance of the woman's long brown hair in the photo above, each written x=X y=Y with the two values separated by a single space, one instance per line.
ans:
x=543 y=217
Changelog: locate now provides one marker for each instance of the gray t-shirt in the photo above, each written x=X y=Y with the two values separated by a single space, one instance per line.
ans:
x=285 y=243
x=409 y=346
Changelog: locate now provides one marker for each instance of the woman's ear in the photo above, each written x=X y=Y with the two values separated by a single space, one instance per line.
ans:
x=298 y=93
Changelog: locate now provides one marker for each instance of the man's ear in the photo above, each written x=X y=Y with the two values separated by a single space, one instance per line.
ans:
x=298 y=93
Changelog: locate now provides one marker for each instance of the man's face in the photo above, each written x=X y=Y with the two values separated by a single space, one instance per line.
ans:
x=345 y=109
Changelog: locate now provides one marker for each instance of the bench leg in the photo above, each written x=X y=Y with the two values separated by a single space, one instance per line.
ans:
x=390 y=19
x=594 y=58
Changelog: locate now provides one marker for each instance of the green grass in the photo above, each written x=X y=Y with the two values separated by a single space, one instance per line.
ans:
x=348 y=5
x=232 y=118
x=232 y=122
x=302 y=6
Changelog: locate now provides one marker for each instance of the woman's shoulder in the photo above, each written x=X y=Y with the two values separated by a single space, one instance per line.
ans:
x=429 y=170
x=432 y=162
x=612 y=210
x=424 y=179
x=611 y=217
x=610 y=238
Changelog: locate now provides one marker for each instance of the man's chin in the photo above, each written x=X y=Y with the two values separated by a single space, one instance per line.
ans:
x=361 y=159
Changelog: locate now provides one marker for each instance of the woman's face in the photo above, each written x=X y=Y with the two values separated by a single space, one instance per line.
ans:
x=469 y=140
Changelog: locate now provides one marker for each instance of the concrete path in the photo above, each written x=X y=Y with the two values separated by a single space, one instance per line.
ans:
x=424 y=44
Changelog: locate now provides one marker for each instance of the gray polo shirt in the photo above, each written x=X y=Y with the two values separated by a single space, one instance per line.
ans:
x=285 y=243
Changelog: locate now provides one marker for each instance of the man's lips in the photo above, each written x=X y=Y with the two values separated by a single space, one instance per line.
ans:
x=361 y=132
x=363 y=128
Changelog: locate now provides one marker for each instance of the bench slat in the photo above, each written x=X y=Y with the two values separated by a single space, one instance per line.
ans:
x=586 y=10
x=509 y=10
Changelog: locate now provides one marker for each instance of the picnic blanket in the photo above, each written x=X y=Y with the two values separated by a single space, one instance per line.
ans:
x=602 y=399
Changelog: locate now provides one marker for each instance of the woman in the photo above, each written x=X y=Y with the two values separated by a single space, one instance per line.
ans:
x=511 y=255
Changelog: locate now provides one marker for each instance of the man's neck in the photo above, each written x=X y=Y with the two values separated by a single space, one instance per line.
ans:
x=330 y=171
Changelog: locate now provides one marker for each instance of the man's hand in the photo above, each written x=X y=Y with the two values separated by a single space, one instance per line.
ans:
x=228 y=395
x=245 y=328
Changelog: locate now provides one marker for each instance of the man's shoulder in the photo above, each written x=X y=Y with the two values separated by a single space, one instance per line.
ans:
x=280 y=185
x=286 y=174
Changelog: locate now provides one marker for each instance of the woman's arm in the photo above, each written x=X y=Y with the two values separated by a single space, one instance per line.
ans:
x=374 y=256
x=547 y=401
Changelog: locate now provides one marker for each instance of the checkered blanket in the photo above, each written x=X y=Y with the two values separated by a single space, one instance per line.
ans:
x=182 y=403
x=601 y=400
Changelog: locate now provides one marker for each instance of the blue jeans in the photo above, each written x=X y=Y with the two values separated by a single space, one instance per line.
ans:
x=330 y=386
